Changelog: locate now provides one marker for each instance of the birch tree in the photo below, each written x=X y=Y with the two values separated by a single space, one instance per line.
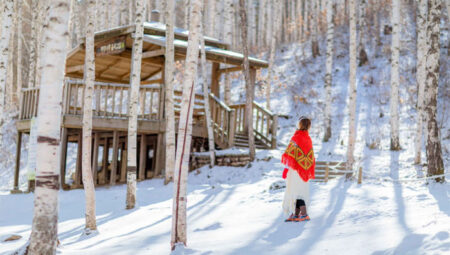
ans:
x=212 y=18
x=315 y=28
x=433 y=147
x=135 y=81
x=273 y=42
x=395 y=77
x=420 y=75
x=228 y=35
x=363 y=59
x=185 y=129
x=249 y=82
x=33 y=43
x=169 y=81
x=352 y=87
x=19 y=49
x=7 y=18
x=329 y=70
x=45 y=218
x=89 y=77
x=209 y=124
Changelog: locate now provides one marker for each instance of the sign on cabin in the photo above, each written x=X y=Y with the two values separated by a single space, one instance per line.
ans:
x=110 y=47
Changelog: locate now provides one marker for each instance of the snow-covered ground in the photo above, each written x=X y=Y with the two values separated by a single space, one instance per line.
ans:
x=233 y=211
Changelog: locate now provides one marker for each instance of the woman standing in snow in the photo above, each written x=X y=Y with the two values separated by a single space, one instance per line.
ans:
x=300 y=163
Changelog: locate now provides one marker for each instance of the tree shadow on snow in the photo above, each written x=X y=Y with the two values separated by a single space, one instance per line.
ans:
x=441 y=193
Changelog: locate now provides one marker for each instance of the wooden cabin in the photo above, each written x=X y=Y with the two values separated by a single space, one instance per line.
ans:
x=110 y=108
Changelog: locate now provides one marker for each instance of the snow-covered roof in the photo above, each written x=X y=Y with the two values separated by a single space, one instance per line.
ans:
x=212 y=53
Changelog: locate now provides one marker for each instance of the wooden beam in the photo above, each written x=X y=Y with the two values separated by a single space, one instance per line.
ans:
x=157 y=81
x=215 y=77
x=153 y=53
x=115 y=145
x=17 y=167
x=74 y=69
x=78 y=164
x=159 y=157
x=95 y=157
x=230 y=69
x=63 y=156
x=142 y=157
x=102 y=177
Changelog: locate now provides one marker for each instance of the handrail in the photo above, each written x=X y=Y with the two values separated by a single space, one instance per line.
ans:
x=223 y=118
x=265 y=123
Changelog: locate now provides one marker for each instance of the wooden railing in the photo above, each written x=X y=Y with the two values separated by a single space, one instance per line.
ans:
x=223 y=118
x=29 y=102
x=111 y=100
x=265 y=123
x=199 y=105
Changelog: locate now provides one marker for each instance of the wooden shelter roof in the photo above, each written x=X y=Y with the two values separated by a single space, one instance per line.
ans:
x=116 y=66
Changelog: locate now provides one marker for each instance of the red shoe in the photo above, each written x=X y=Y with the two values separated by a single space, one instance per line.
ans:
x=303 y=218
x=292 y=218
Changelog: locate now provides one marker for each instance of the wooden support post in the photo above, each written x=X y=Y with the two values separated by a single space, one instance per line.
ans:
x=123 y=165
x=78 y=164
x=326 y=173
x=274 y=131
x=17 y=167
x=63 y=156
x=162 y=99
x=115 y=145
x=215 y=78
x=231 y=128
x=102 y=177
x=360 y=175
x=142 y=157
x=160 y=150
x=95 y=157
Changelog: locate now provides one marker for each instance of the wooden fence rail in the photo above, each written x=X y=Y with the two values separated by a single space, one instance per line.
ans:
x=223 y=118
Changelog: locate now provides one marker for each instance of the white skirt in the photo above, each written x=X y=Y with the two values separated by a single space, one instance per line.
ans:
x=296 y=188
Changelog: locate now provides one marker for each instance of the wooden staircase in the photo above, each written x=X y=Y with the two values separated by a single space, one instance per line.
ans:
x=229 y=125
x=241 y=141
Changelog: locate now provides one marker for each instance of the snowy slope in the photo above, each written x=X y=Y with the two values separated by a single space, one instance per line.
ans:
x=232 y=211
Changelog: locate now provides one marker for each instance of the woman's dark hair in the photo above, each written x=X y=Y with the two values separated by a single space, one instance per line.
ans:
x=304 y=123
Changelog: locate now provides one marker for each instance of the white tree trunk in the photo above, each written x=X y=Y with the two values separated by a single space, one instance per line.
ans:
x=209 y=124
x=420 y=75
x=395 y=78
x=89 y=78
x=352 y=88
x=249 y=81
x=315 y=28
x=45 y=219
x=19 y=50
x=273 y=42
x=329 y=70
x=78 y=29
x=169 y=81
x=433 y=147
x=33 y=43
x=363 y=59
x=187 y=6
x=135 y=81
x=7 y=19
x=124 y=12
x=228 y=36
x=42 y=18
x=185 y=128
x=212 y=18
